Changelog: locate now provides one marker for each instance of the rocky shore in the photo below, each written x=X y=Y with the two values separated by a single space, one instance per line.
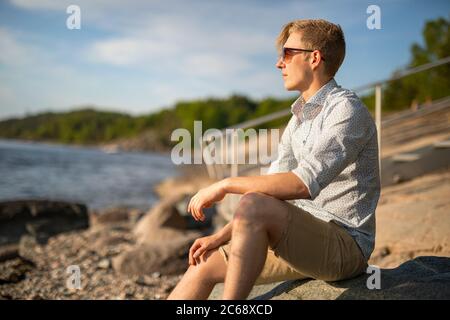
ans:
x=129 y=254
x=120 y=253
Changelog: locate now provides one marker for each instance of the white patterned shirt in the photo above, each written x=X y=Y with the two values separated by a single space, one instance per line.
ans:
x=330 y=143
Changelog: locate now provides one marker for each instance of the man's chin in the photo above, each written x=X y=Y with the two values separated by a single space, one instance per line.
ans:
x=291 y=85
x=288 y=87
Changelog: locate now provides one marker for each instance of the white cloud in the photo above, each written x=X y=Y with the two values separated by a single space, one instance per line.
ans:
x=38 y=4
x=126 y=51
x=184 y=46
x=13 y=52
x=213 y=65
x=154 y=53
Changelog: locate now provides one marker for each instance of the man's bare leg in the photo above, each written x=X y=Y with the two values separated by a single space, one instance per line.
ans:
x=199 y=280
x=259 y=222
x=249 y=246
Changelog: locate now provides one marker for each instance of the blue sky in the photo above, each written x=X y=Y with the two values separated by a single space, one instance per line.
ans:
x=140 y=56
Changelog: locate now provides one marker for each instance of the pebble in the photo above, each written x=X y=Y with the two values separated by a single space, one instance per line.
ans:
x=104 y=264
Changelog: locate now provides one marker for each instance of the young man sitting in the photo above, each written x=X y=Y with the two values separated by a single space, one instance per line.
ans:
x=327 y=162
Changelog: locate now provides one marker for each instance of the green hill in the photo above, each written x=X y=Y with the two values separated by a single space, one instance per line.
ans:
x=89 y=126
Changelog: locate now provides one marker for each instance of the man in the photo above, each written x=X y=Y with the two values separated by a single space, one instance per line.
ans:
x=327 y=164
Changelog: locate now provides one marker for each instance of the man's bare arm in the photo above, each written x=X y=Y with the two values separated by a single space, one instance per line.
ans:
x=224 y=234
x=283 y=186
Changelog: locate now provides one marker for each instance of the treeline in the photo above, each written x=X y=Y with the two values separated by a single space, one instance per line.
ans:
x=89 y=126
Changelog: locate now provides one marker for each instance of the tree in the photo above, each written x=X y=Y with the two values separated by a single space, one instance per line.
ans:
x=426 y=85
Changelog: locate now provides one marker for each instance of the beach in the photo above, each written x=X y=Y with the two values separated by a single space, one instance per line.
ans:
x=412 y=220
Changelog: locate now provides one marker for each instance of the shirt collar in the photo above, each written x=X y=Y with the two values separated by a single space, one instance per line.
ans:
x=309 y=109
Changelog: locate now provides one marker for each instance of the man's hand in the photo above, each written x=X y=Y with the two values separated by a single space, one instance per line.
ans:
x=204 y=199
x=202 y=245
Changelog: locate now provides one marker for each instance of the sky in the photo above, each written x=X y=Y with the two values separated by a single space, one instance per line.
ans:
x=138 y=57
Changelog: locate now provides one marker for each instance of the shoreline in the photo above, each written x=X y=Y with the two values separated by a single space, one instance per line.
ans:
x=96 y=147
x=36 y=170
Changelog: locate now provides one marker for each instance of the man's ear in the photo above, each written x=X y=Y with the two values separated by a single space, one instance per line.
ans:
x=315 y=59
x=316 y=56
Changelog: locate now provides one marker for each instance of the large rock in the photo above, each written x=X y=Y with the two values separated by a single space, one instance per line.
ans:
x=165 y=223
x=413 y=220
x=145 y=259
x=163 y=238
x=114 y=216
x=424 y=277
x=40 y=219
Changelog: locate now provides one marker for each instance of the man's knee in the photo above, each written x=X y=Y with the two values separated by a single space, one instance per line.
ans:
x=250 y=208
x=211 y=269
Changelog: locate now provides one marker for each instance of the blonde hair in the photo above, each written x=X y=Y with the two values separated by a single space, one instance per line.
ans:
x=320 y=35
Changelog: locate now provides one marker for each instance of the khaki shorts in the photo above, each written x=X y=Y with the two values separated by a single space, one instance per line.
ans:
x=310 y=248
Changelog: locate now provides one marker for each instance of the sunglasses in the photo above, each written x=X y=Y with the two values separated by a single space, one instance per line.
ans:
x=288 y=53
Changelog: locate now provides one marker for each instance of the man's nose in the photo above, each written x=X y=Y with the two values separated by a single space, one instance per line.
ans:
x=279 y=63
